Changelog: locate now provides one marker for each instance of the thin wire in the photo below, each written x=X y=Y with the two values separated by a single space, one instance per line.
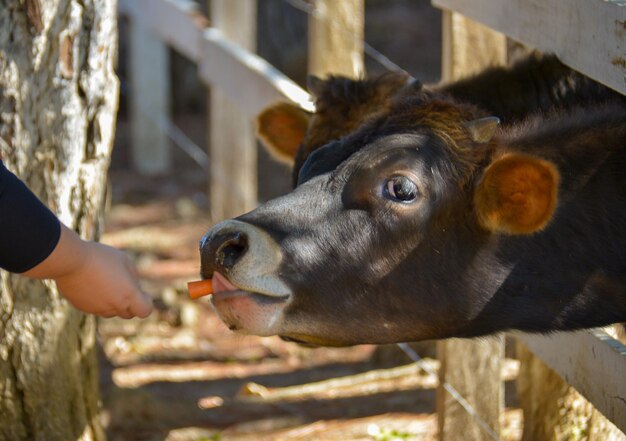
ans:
x=180 y=139
x=184 y=142
x=368 y=48
x=451 y=390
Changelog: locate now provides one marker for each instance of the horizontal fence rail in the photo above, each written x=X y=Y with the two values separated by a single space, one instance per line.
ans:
x=587 y=35
x=592 y=362
x=249 y=80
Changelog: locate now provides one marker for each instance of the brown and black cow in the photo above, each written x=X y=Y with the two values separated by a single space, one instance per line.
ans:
x=429 y=222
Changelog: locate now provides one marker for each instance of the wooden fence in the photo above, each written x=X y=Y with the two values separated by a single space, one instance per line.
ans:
x=588 y=35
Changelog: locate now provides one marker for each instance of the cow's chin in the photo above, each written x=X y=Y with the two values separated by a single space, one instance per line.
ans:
x=262 y=315
x=251 y=313
x=313 y=341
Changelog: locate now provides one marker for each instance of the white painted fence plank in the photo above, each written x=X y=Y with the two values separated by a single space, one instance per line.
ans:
x=587 y=35
x=247 y=79
x=178 y=23
x=592 y=362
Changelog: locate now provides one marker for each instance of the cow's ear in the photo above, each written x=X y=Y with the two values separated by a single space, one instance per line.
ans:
x=482 y=129
x=517 y=194
x=281 y=128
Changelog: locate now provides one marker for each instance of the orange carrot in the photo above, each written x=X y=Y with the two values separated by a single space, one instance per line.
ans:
x=200 y=288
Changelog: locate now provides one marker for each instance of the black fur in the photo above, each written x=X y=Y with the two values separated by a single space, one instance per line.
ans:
x=538 y=84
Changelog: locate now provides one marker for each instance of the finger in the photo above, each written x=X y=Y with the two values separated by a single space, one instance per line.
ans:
x=106 y=314
x=140 y=304
x=127 y=314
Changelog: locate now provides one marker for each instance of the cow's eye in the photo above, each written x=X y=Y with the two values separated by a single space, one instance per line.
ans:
x=401 y=188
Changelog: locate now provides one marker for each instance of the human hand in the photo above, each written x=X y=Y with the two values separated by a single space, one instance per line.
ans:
x=106 y=284
x=95 y=278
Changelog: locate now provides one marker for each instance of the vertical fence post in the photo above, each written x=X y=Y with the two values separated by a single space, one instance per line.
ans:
x=472 y=367
x=336 y=31
x=150 y=101
x=232 y=149
x=468 y=47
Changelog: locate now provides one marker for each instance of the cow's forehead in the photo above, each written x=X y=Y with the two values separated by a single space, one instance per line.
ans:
x=439 y=119
x=333 y=155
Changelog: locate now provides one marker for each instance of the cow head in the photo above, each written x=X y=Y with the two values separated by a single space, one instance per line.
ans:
x=387 y=234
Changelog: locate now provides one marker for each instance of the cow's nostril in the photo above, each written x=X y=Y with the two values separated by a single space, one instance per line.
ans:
x=246 y=255
x=230 y=249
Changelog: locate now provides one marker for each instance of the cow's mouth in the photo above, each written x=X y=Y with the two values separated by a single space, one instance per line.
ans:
x=248 y=311
x=261 y=298
x=223 y=287
x=261 y=313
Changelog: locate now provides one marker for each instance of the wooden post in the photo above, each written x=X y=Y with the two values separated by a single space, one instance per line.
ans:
x=150 y=101
x=468 y=47
x=472 y=367
x=232 y=149
x=336 y=38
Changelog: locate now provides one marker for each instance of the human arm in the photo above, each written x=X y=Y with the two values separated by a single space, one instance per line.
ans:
x=95 y=278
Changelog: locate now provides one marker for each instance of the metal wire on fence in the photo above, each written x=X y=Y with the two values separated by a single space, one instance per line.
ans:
x=451 y=390
x=186 y=144
x=367 y=48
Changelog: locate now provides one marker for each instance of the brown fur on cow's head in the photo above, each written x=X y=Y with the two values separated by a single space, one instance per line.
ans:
x=342 y=105
x=536 y=84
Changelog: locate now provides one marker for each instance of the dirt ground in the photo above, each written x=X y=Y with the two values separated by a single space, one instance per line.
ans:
x=181 y=375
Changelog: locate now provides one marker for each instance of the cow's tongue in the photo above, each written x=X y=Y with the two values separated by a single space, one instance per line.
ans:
x=221 y=283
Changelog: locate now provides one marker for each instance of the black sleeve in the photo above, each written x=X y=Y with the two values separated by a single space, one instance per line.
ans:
x=29 y=231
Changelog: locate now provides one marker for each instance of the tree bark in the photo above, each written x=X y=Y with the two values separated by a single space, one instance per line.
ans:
x=58 y=99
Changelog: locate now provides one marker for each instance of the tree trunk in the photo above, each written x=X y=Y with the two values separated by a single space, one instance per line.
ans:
x=58 y=99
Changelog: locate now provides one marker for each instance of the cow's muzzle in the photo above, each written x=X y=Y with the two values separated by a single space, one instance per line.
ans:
x=244 y=254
